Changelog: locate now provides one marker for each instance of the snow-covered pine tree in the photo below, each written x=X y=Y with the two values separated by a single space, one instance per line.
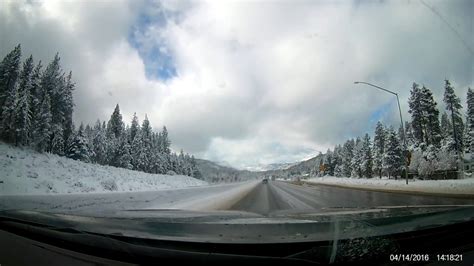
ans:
x=140 y=160
x=9 y=70
x=42 y=129
x=358 y=156
x=23 y=113
x=78 y=150
x=134 y=128
x=57 y=145
x=378 y=149
x=36 y=95
x=187 y=165
x=67 y=106
x=429 y=163
x=328 y=163
x=470 y=119
x=181 y=163
x=466 y=137
x=158 y=162
x=367 y=160
x=338 y=164
x=347 y=154
x=115 y=126
x=146 y=136
x=89 y=132
x=8 y=118
x=124 y=158
x=99 y=144
x=416 y=111
x=446 y=126
x=52 y=81
x=410 y=136
x=173 y=163
x=447 y=142
x=165 y=142
x=392 y=160
x=431 y=118
x=453 y=105
x=195 y=170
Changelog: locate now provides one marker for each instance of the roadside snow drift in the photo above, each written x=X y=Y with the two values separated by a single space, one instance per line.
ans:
x=24 y=171
x=447 y=187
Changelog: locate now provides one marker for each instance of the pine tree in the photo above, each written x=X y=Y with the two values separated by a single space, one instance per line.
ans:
x=416 y=111
x=42 y=130
x=446 y=126
x=431 y=118
x=338 y=161
x=379 y=148
x=470 y=118
x=99 y=144
x=134 y=128
x=139 y=152
x=67 y=106
x=52 y=82
x=392 y=160
x=23 y=110
x=36 y=95
x=9 y=111
x=57 y=145
x=466 y=137
x=328 y=163
x=367 y=161
x=124 y=157
x=447 y=143
x=195 y=171
x=9 y=70
x=78 y=150
x=358 y=156
x=410 y=136
x=165 y=141
x=347 y=154
x=115 y=126
x=453 y=105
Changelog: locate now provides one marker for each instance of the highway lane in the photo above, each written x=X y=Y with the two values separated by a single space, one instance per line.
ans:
x=255 y=198
x=276 y=198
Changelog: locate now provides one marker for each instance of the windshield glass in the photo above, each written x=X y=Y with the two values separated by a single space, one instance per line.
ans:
x=239 y=121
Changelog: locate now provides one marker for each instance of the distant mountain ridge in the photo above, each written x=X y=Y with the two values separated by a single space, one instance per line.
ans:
x=272 y=166
x=215 y=172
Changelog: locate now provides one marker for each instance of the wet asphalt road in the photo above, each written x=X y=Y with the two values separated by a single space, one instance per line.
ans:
x=272 y=199
x=278 y=197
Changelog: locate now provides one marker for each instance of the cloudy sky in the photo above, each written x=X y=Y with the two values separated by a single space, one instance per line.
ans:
x=249 y=82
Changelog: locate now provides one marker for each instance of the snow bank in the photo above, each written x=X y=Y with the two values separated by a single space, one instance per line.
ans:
x=448 y=187
x=24 y=171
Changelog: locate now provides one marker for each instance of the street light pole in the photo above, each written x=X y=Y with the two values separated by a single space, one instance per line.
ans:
x=401 y=121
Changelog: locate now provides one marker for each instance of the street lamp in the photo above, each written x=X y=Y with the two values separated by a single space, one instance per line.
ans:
x=401 y=121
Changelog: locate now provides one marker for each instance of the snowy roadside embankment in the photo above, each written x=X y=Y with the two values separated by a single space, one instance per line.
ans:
x=24 y=171
x=461 y=187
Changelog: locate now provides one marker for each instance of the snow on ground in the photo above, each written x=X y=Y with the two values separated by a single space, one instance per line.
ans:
x=448 y=187
x=24 y=171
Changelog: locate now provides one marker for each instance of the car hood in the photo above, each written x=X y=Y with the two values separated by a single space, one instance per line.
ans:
x=242 y=227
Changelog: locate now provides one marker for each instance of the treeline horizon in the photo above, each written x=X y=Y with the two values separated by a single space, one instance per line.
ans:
x=433 y=144
x=36 y=107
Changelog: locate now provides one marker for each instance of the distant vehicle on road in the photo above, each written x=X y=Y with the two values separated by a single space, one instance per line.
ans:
x=265 y=181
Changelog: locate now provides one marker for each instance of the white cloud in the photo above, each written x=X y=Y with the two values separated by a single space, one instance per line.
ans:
x=256 y=82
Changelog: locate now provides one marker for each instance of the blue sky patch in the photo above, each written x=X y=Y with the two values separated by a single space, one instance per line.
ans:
x=152 y=48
